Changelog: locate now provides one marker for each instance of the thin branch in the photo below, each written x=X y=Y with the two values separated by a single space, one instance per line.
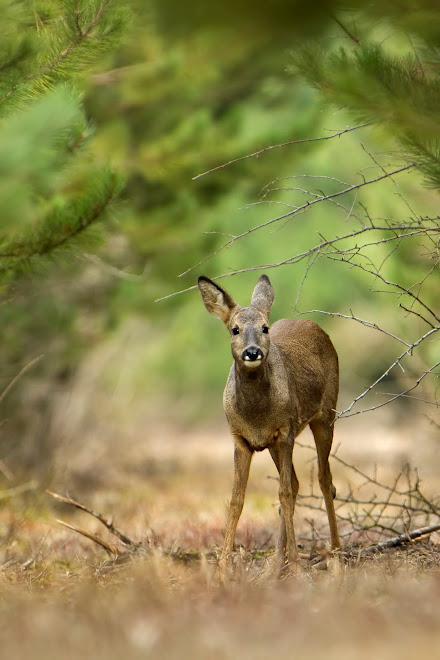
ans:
x=109 y=525
x=110 y=549
x=387 y=371
x=255 y=154
x=298 y=210
x=317 y=248
x=347 y=32
x=368 y=324
x=388 y=283
x=411 y=311
x=388 y=401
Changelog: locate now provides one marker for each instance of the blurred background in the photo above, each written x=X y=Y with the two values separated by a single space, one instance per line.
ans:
x=107 y=115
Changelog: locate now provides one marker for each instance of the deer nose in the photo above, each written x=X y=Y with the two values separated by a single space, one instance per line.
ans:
x=251 y=354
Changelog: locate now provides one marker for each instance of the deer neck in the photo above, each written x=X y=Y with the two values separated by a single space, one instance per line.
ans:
x=252 y=383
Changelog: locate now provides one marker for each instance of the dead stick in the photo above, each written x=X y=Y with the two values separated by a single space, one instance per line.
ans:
x=126 y=540
x=110 y=549
x=398 y=540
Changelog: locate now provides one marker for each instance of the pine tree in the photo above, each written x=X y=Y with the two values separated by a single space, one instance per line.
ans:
x=51 y=189
x=54 y=195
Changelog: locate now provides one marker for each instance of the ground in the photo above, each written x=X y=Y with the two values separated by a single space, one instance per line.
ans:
x=64 y=596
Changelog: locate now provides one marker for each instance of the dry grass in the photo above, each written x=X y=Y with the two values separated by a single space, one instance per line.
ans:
x=157 y=607
x=62 y=596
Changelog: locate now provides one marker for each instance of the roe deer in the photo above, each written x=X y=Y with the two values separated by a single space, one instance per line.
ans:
x=282 y=379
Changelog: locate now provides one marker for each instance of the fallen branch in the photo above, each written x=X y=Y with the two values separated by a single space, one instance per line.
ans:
x=110 y=549
x=126 y=540
x=407 y=537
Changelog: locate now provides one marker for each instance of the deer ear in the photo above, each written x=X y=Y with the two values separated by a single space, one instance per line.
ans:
x=263 y=295
x=217 y=301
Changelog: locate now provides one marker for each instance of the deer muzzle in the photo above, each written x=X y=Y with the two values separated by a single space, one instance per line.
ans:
x=252 y=355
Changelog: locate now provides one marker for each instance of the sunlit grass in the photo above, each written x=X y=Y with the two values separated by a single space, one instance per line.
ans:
x=61 y=595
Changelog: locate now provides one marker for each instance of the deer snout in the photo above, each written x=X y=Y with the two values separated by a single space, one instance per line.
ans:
x=252 y=354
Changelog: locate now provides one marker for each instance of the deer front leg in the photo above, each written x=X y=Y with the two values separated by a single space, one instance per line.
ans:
x=287 y=493
x=281 y=544
x=242 y=463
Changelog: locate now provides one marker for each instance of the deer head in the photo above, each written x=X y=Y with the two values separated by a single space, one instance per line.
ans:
x=248 y=326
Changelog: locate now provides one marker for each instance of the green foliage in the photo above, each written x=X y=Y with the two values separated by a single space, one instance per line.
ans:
x=51 y=190
x=398 y=92
x=190 y=87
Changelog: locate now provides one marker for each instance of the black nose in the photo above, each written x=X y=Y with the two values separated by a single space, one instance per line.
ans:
x=251 y=354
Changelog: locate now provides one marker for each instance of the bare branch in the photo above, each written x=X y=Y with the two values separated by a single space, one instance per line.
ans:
x=393 y=398
x=110 y=549
x=298 y=210
x=109 y=525
x=368 y=324
x=280 y=146
x=396 y=362
x=340 y=256
x=407 y=231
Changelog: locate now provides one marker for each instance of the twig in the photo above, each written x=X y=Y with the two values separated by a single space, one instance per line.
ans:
x=349 y=34
x=126 y=540
x=347 y=412
x=110 y=549
x=368 y=324
x=319 y=248
x=255 y=154
x=298 y=210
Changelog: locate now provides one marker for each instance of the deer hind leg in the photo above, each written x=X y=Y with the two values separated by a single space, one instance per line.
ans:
x=282 y=457
x=323 y=434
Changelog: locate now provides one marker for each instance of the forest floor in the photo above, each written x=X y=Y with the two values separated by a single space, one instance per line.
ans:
x=65 y=595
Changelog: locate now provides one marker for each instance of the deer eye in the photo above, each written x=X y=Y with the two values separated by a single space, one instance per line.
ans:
x=265 y=329
x=235 y=331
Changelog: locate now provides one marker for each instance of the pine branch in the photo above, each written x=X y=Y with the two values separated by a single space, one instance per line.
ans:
x=77 y=37
x=58 y=231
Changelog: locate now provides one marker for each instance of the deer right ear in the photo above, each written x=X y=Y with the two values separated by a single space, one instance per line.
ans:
x=217 y=301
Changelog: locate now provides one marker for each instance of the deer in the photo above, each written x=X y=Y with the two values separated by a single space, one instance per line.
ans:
x=283 y=378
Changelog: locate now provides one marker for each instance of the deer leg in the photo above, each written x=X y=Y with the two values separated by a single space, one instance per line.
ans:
x=323 y=434
x=281 y=545
x=287 y=494
x=242 y=463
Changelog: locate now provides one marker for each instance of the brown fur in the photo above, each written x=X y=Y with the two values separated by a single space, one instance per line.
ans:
x=268 y=401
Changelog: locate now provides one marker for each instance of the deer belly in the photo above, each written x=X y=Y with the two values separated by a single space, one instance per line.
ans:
x=259 y=443
x=259 y=438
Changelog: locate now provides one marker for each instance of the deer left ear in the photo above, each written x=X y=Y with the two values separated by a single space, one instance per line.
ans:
x=263 y=295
